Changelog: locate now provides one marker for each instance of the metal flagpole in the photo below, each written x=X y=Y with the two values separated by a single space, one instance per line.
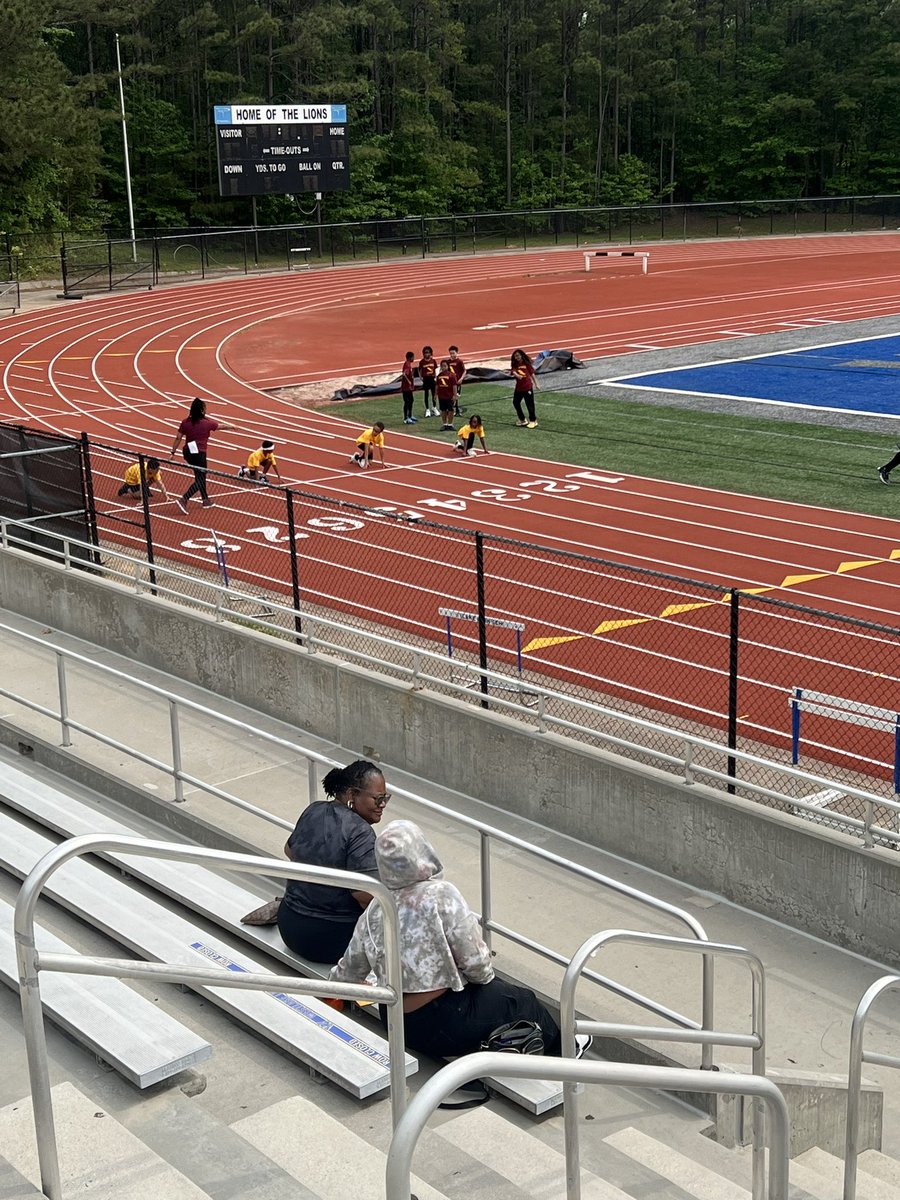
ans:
x=127 y=164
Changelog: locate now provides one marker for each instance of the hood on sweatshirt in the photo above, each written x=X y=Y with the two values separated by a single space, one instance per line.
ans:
x=405 y=856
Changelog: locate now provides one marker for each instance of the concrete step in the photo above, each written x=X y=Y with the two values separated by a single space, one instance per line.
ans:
x=14 y=1186
x=684 y=1172
x=98 y=1156
x=830 y=1170
x=519 y=1156
x=881 y=1166
x=321 y=1152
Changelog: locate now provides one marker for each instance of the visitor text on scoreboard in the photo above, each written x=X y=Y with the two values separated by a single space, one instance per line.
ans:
x=267 y=149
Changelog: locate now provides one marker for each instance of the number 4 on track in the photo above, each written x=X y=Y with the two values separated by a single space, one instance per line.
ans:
x=455 y=505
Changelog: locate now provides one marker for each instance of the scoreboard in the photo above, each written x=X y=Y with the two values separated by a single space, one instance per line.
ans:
x=281 y=149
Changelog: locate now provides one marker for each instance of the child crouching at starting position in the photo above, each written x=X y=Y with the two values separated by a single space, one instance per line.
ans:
x=367 y=443
x=132 y=485
x=259 y=463
x=467 y=435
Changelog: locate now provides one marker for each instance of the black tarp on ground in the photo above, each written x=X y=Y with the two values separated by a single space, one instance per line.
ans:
x=544 y=362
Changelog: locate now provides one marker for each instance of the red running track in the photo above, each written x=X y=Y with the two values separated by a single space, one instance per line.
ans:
x=123 y=368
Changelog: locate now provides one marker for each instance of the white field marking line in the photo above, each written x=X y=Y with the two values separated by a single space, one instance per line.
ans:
x=667 y=486
x=642 y=559
x=717 y=509
x=641 y=346
x=863 y=412
x=617 y=500
x=597 y=346
x=716 y=299
x=734 y=333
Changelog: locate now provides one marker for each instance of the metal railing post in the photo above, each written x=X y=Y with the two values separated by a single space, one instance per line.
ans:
x=529 y=1066
x=175 y=729
x=484 y=863
x=63 y=699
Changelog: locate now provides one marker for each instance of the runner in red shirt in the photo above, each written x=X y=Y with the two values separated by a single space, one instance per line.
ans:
x=194 y=431
x=408 y=387
x=522 y=369
x=427 y=372
x=446 y=393
x=459 y=370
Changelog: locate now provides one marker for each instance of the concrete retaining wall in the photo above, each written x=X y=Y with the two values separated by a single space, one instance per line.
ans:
x=811 y=878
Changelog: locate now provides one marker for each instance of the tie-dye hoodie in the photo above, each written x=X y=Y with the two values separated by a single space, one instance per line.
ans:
x=440 y=942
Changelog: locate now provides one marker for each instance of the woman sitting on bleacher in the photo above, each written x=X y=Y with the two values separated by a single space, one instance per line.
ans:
x=318 y=921
x=452 y=1001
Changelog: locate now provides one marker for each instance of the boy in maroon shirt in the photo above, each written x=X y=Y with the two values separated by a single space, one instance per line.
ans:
x=446 y=393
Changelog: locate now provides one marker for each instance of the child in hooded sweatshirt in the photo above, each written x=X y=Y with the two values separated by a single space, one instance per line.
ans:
x=452 y=1001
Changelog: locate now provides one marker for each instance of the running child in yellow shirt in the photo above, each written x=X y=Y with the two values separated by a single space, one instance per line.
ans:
x=152 y=478
x=367 y=443
x=259 y=463
x=474 y=428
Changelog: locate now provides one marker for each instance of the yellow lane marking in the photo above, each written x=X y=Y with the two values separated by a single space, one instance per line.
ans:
x=540 y=643
x=672 y=610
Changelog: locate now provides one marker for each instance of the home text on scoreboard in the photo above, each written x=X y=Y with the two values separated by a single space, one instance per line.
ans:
x=268 y=149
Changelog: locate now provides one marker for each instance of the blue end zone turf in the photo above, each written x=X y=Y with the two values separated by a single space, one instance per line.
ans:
x=861 y=377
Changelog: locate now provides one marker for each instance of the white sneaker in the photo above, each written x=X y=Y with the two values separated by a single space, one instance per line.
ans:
x=361 y=463
x=181 y=504
x=583 y=1043
x=352 y=459
x=470 y=453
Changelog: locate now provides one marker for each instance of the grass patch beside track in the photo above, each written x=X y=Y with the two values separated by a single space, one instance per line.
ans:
x=783 y=460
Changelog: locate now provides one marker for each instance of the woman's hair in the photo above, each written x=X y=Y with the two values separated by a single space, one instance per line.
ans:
x=198 y=409
x=341 y=779
x=524 y=356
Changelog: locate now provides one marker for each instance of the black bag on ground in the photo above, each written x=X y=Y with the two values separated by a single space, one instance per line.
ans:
x=516 y=1037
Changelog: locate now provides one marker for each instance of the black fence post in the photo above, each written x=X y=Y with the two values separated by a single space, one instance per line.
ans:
x=295 y=572
x=148 y=532
x=482 y=622
x=87 y=484
x=109 y=261
x=733 y=644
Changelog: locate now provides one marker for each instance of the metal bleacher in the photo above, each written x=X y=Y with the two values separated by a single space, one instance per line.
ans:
x=331 y=1044
x=140 y=1041
x=210 y=895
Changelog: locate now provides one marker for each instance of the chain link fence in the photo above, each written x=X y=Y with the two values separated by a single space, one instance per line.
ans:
x=758 y=675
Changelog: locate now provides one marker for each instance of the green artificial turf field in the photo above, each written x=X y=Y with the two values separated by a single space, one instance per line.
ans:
x=781 y=459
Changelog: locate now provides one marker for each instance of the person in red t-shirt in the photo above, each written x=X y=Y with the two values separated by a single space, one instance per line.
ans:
x=194 y=431
x=522 y=369
x=446 y=393
x=408 y=387
x=427 y=372
x=459 y=370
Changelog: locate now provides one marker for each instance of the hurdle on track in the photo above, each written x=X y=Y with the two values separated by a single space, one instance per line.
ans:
x=451 y=614
x=851 y=712
x=642 y=255
x=265 y=610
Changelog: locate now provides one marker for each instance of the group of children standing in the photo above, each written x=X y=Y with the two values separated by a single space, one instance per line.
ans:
x=441 y=382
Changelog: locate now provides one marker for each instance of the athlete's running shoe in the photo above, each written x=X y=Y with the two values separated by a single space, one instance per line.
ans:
x=470 y=453
x=883 y=475
x=521 y=424
x=583 y=1043
x=531 y=425
x=181 y=504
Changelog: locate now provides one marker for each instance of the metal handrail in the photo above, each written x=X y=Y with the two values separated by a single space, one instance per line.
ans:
x=707 y=1037
x=31 y=962
x=686 y=764
x=580 y=1072
x=859 y=1055
x=487 y=833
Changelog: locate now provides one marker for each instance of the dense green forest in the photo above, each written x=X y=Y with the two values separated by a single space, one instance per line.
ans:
x=454 y=105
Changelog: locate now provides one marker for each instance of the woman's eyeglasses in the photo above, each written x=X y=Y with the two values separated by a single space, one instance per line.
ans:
x=379 y=801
